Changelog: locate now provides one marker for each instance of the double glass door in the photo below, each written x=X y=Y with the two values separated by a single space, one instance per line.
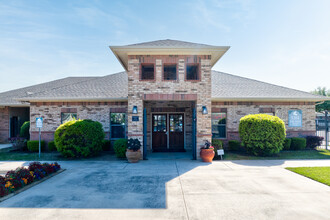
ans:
x=168 y=132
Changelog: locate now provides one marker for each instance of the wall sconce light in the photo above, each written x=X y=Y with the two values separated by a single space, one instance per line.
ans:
x=135 y=110
x=204 y=110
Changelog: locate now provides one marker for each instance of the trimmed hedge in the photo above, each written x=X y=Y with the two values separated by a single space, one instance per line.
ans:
x=262 y=134
x=298 y=143
x=234 y=145
x=287 y=144
x=79 y=138
x=106 y=145
x=33 y=146
x=313 y=142
x=51 y=146
x=25 y=130
x=120 y=147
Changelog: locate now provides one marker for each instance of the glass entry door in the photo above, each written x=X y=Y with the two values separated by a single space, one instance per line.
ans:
x=168 y=132
x=176 y=132
x=159 y=132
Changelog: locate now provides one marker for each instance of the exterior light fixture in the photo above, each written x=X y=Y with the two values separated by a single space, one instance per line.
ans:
x=135 y=110
x=204 y=110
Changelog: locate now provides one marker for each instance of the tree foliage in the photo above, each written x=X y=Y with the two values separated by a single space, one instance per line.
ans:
x=324 y=105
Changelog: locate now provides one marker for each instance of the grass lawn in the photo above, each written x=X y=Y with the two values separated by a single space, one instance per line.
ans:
x=48 y=156
x=319 y=174
x=303 y=154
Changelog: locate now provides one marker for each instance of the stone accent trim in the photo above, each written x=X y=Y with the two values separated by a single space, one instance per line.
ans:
x=118 y=110
x=68 y=110
x=173 y=97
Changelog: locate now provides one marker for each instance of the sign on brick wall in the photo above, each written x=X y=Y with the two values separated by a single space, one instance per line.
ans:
x=295 y=118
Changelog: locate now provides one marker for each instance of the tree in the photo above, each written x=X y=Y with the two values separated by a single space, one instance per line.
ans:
x=324 y=105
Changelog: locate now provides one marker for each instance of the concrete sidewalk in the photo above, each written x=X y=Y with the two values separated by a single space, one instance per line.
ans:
x=173 y=189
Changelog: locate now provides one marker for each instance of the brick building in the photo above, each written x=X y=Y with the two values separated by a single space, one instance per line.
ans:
x=168 y=97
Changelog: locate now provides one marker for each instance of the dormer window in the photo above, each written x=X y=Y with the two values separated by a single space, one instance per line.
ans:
x=169 y=71
x=192 y=72
x=147 y=71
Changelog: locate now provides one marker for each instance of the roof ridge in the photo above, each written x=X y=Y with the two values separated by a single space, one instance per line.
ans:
x=267 y=83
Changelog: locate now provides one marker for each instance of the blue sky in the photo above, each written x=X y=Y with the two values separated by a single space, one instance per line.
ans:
x=281 y=42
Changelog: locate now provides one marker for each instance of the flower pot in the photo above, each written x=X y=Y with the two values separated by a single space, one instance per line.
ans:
x=133 y=156
x=207 y=155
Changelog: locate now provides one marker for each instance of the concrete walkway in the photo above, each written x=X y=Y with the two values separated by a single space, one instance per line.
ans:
x=177 y=188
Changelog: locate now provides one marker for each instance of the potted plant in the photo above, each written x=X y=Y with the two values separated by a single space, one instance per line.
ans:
x=207 y=152
x=133 y=153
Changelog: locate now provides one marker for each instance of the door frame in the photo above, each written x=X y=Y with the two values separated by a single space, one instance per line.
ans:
x=168 y=127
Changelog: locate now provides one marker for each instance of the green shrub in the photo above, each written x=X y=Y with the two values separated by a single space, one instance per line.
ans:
x=106 y=145
x=120 y=147
x=51 y=146
x=298 y=143
x=217 y=144
x=25 y=130
x=234 y=145
x=33 y=146
x=287 y=144
x=79 y=138
x=262 y=134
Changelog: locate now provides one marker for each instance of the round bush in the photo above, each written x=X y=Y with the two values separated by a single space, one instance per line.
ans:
x=79 y=138
x=298 y=143
x=120 y=147
x=25 y=130
x=262 y=134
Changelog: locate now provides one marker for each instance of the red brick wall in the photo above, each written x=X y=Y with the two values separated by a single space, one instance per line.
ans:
x=4 y=124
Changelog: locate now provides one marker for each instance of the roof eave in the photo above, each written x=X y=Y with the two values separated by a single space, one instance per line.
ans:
x=265 y=99
x=59 y=99
x=121 y=52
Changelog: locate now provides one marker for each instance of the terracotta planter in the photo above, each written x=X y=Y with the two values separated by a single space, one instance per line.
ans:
x=207 y=155
x=133 y=156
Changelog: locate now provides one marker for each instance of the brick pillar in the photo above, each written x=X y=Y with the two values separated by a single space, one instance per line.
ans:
x=204 y=127
x=134 y=128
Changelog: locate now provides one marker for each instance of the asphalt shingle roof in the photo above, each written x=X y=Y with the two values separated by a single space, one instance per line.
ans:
x=113 y=87
x=168 y=43
x=10 y=97
x=228 y=86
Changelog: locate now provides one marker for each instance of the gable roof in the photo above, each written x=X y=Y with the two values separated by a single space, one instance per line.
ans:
x=225 y=87
x=168 y=43
x=167 y=47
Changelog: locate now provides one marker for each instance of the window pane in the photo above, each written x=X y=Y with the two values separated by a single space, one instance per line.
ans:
x=219 y=125
x=218 y=131
x=147 y=72
x=118 y=131
x=118 y=118
x=176 y=123
x=65 y=117
x=192 y=72
x=169 y=72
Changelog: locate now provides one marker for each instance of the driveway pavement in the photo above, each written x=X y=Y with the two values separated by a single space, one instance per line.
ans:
x=174 y=188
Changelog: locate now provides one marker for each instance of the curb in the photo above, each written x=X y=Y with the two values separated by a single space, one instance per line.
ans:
x=30 y=185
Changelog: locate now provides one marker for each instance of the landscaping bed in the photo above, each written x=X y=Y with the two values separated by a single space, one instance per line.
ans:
x=319 y=174
x=15 y=180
